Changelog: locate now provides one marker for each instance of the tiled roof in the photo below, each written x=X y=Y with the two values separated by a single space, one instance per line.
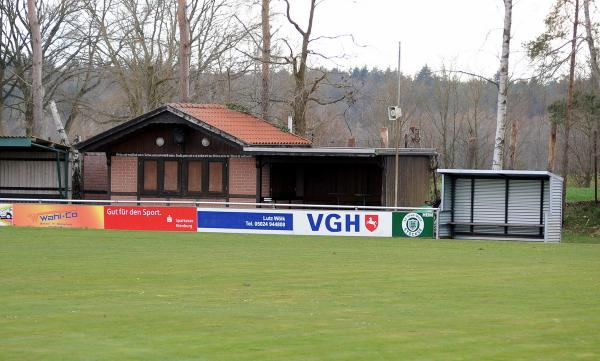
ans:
x=242 y=126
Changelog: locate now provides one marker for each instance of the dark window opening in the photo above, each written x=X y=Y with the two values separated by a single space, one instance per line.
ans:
x=182 y=177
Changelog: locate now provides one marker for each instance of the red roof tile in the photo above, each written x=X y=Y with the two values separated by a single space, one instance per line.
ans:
x=242 y=126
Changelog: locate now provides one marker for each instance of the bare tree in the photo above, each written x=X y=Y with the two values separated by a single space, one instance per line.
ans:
x=62 y=38
x=589 y=29
x=36 y=72
x=184 y=51
x=499 y=143
x=266 y=58
x=549 y=51
x=306 y=83
x=569 y=115
x=444 y=111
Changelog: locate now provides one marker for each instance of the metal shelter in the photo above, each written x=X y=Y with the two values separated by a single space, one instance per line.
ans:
x=505 y=204
x=33 y=167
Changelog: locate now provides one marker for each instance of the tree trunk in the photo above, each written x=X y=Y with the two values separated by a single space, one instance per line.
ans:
x=2 y=131
x=503 y=89
x=569 y=115
x=266 y=59
x=36 y=71
x=595 y=68
x=184 y=52
x=299 y=68
x=471 y=149
x=552 y=147
x=512 y=149
x=299 y=108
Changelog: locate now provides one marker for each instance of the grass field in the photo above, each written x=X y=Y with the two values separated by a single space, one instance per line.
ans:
x=578 y=194
x=109 y=295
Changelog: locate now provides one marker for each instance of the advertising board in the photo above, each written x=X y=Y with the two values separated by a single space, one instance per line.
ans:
x=6 y=214
x=150 y=218
x=413 y=224
x=58 y=215
x=245 y=221
x=343 y=223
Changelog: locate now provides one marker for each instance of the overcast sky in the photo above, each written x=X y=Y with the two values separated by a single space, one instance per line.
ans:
x=464 y=34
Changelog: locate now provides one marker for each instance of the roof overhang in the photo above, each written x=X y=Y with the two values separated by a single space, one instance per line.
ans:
x=337 y=152
x=486 y=173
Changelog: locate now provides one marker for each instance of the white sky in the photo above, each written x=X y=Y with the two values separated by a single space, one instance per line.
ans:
x=463 y=34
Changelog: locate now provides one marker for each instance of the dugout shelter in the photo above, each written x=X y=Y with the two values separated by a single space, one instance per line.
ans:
x=504 y=204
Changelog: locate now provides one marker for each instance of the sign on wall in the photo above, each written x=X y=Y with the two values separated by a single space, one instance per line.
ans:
x=58 y=215
x=242 y=221
x=343 y=223
x=150 y=218
x=6 y=215
x=418 y=223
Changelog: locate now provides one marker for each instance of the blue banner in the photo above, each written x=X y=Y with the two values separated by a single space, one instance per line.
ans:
x=270 y=221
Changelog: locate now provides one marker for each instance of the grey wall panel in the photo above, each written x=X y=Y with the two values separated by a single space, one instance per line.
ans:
x=524 y=200
x=489 y=204
x=554 y=217
x=462 y=200
x=445 y=206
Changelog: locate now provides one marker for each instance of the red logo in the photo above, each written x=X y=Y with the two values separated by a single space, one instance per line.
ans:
x=371 y=222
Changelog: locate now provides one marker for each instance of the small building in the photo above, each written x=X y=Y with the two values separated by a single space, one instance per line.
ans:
x=33 y=168
x=504 y=204
x=207 y=152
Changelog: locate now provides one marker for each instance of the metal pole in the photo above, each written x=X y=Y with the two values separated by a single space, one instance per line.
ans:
x=397 y=135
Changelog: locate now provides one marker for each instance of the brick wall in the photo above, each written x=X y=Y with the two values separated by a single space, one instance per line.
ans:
x=123 y=174
x=242 y=176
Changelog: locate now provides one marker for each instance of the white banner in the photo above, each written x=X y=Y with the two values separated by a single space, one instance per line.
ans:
x=300 y=222
x=343 y=223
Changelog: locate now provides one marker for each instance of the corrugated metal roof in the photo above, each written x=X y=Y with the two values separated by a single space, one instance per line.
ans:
x=513 y=173
x=244 y=127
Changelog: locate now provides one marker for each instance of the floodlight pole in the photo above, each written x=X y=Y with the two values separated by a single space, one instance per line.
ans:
x=397 y=132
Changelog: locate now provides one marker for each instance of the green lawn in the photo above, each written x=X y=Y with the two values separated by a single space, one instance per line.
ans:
x=578 y=194
x=115 y=295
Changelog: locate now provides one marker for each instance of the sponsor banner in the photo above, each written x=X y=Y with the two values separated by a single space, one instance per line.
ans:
x=245 y=221
x=343 y=223
x=418 y=223
x=150 y=218
x=6 y=215
x=58 y=215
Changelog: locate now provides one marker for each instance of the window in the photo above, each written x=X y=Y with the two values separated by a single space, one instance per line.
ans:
x=182 y=177
x=171 y=176
x=150 y=175
x=194 y=176
x=215 y=176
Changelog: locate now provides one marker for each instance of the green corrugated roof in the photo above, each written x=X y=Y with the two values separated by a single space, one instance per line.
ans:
x=29 y=142
x=24 y=142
